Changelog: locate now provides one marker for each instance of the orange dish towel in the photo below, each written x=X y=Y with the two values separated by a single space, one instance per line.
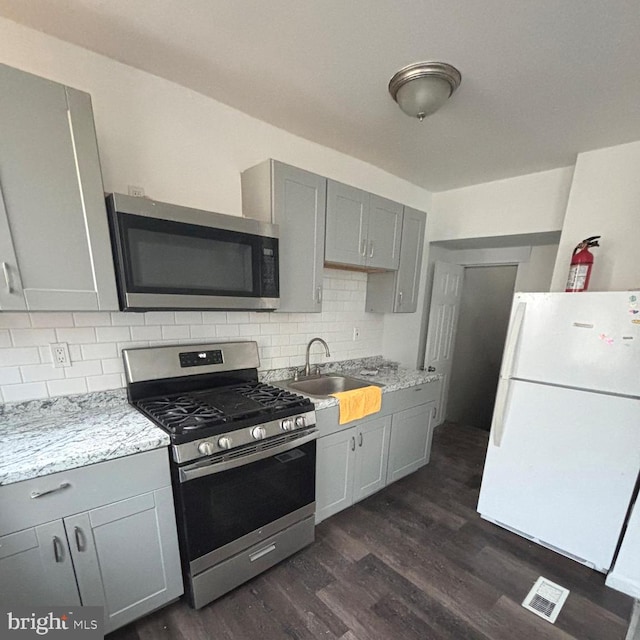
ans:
x=358 y=403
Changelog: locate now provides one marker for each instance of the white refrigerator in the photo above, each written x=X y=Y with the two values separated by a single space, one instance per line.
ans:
x=564 y=449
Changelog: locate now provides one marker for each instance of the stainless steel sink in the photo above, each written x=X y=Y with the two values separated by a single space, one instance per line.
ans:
x=323 y=386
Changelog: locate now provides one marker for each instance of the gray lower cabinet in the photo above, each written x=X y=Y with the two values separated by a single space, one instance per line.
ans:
x=122 y=555
x=36 y=567
x=363 y=230
x=410 y=444
x=351 y=465
x=55 y=252
x=295 y=200
x=397 y=291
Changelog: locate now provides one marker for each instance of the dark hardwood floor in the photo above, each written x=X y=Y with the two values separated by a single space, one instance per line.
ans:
x=414 y=561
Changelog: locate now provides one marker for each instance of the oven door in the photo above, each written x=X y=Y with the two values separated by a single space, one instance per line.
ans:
x=170 y=263
x=228 y=506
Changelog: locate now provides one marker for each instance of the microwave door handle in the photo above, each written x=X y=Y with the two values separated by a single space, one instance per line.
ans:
x=199 y=470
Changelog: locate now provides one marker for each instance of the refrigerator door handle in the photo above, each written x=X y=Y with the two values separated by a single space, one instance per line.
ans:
x=506 y=371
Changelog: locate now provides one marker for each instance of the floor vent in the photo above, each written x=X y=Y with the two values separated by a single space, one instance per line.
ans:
x=545 y=599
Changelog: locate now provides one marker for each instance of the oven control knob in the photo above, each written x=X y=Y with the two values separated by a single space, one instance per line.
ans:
x=301 y=421
x=224 y=442
x=206 y=448
x=259 y=433
x=287 y=425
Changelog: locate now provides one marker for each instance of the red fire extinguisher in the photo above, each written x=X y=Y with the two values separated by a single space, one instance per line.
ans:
x=581 y=264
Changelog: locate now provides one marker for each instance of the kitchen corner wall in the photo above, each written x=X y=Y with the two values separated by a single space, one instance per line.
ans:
x=96 y=339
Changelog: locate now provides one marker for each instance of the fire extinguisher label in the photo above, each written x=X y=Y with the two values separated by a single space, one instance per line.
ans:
x=577 y=276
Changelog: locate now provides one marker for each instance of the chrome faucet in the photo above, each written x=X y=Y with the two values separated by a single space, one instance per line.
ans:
x=307 y=366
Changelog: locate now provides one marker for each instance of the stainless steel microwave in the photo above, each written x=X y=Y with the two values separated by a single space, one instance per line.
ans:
x=171 y=257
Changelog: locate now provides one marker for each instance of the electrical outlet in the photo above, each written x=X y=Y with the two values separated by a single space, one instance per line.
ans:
x=136 y=192
x=356 y=333
x=60 y=355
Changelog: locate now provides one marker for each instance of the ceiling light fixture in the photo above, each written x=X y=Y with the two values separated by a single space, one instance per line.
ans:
x=420 y=89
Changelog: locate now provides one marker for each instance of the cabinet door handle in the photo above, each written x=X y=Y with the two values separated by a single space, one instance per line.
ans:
x=360 y=440
x=400 y=299
x=431 y=369
x=371 y=248
x=363 y=247
x=39 y=494
x=435 y=411
x=81 y=541
x=319 y=294
x=7 y=277
x=58 y=550
x=353 y=443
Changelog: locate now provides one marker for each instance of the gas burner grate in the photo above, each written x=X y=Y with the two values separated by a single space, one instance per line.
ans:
x=268 y=396
x=181 y=413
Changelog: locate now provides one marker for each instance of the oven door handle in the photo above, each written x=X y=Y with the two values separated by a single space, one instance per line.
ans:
x=199 y=469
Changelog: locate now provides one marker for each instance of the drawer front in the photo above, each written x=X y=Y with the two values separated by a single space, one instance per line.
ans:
x=65 y=493
x=227 y=575
x=413 y=396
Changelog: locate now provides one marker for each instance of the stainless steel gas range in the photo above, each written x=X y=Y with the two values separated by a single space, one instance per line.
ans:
x=243 y=459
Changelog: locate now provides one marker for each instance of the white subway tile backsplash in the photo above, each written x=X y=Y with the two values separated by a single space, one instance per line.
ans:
x=14 y=320
x=21 y=392
x=67 y=387
x=146 y=333
x=91 y=319
x=17 y=356
x=10 y=375
x=82 y=369
x=99 y=351
x=127 y=319
x=51 y=320
x=175 y=332
x=77 y=335
x=114 y=334
x=159 y=317
x=227 y=331
x=113 y=365
x=100 y=383
x=32 y=337
x=201 y=331
x=41 y=372
x=188 y=317
x=96 y=339
x=216 y=317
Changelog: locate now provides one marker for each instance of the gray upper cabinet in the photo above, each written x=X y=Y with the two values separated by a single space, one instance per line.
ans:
x=296 y=201
x=363 y=229
x=347 y=220
x=397 y=292
x=383 y=234
x=54 y=241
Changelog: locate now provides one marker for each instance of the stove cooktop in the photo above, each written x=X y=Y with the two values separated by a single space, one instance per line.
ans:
x=197 y=414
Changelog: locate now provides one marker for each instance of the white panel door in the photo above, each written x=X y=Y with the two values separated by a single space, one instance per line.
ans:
x=443 y=321
x=565 y=468
x=583 y=340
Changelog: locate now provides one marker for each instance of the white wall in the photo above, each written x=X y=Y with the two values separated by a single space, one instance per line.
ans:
x=535 y=274
x=604 y=200
x=185 y=148
x=179 y=145
x=533 y=203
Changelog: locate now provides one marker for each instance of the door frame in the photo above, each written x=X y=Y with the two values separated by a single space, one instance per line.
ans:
x=506 y=256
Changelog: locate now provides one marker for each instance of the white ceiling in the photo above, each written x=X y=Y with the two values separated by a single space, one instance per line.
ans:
x=541 y=80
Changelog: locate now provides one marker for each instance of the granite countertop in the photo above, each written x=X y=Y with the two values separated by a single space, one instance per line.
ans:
x=45 y=436
x=40 y=437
